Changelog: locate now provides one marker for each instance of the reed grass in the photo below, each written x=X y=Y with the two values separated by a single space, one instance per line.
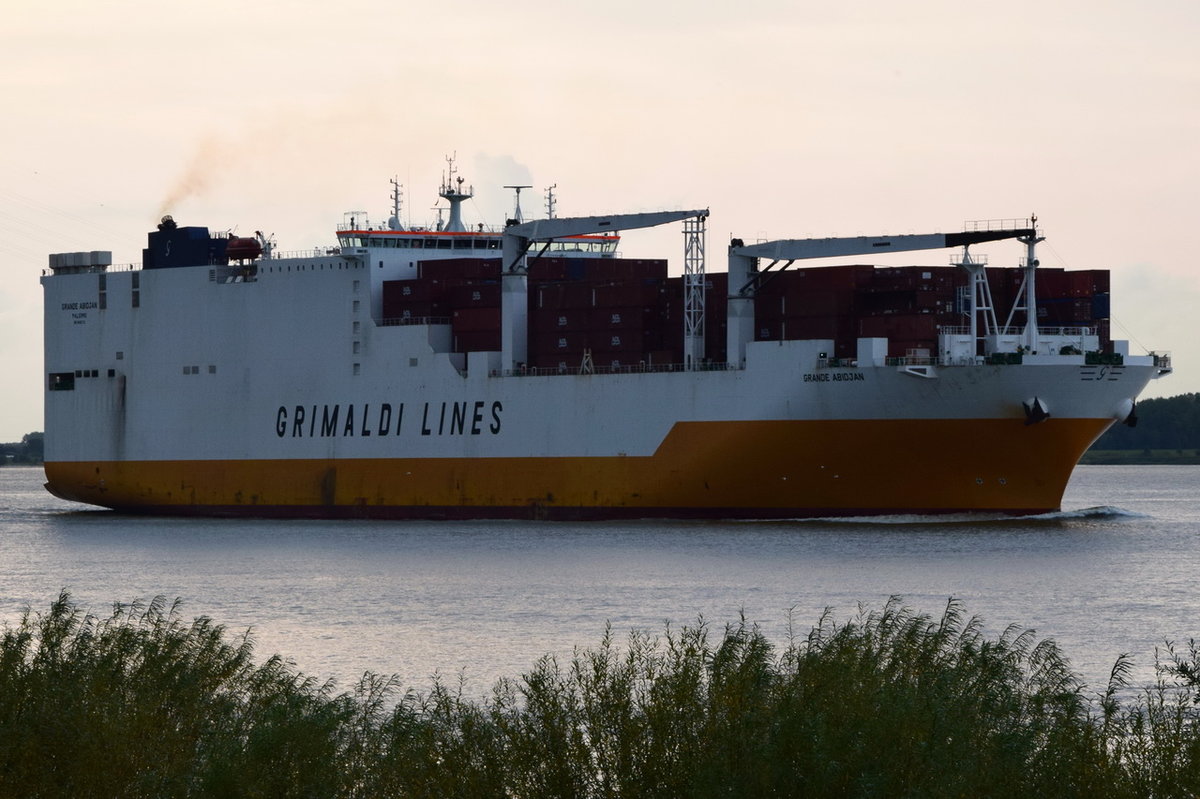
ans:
x=143 y=703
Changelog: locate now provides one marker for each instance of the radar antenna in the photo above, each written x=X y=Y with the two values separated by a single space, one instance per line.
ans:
x=517 y=204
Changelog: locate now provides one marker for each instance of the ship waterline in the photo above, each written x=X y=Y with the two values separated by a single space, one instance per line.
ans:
x=752 y=469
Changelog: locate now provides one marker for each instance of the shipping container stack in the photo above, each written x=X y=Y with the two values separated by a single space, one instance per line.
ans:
x=910 y=305
x=616 y=309
x=612 y=309
x=628 y=313
x=1075 y=299
x=716 y=311
x=813 y=303
x=441 y=288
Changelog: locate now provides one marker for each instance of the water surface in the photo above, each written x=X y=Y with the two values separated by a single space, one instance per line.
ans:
x=1114 y=572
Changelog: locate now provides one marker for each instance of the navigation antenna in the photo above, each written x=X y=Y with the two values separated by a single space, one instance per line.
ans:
x=397 y=194
x=517 y=215
x=551 y=202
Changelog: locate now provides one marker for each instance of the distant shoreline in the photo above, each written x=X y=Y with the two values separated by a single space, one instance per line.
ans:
x=1140 y=457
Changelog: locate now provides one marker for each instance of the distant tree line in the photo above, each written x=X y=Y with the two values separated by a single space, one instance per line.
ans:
x=1167 y=423
x=26 y=451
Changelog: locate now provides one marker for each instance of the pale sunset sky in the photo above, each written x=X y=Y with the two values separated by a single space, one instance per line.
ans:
x=786 y=119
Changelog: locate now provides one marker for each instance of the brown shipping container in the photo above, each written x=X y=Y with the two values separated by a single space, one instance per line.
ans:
x=815 y=327
x=624 y=268
x=627 y=293
x=477 y=341
x=619 y=360
x=574 y=294
x=1048 y=283
x=545 y=269
x=552 y=341
x=821 y=302
x=616 y=341
x=556 y=361
x=635 y=317
x=560 y=319
x=474 y=295
x=768 y=330
x=768 y=307
x=899 y=326
x=459 y=268
x=471 y=320
x=1085 y=283
x=847 y=277
x=419 y=309
x=415 y=290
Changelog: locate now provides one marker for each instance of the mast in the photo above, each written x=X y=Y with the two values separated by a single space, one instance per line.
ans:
x=452 y=191
x=397 y=193
x=980 y=299
x=1031 y=265
x=517 y=215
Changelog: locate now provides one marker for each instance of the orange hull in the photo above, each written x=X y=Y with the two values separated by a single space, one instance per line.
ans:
x=764 y=469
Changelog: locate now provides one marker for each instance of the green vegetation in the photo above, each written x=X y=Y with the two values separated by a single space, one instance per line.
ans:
x=27 y=452
x=890 y=703
x=1167 y=424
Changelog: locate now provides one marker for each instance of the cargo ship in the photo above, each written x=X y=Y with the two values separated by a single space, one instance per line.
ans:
x=531 y=371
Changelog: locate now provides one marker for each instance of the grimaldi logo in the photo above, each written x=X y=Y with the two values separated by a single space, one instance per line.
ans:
x=466 y=418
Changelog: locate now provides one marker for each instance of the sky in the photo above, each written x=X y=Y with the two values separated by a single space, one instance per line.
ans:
x=786 y=119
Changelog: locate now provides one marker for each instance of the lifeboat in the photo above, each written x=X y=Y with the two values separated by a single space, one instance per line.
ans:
x=241 y=249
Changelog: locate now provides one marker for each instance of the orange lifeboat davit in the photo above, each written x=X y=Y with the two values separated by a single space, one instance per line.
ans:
x=240 y=249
